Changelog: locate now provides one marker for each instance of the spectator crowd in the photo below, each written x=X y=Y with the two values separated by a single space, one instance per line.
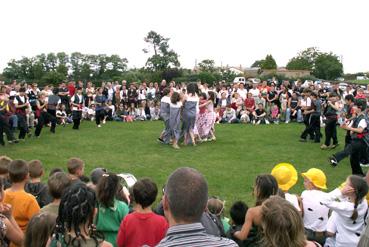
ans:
x=107 y=209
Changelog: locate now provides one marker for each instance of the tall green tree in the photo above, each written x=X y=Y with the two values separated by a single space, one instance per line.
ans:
x=327 y=66
x=268 y=63
x=299 y=63
x=207 y=65
x=163 y=57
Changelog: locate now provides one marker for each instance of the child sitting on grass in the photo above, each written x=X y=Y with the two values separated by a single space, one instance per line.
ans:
x=35 y=186
x=110 y=211
x=315 y=215
x=142 y=227
x=349 y=210
x=57 y=184
x=24 y=204
x=237 y=213
x=76 y=168
x=4 y=171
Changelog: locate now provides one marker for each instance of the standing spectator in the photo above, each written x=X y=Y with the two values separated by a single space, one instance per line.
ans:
x=185 y=198
x=142 y=227
x=110 y=211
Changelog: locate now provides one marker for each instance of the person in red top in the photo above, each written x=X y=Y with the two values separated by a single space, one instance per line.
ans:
x=142 y=227
x=71 y=88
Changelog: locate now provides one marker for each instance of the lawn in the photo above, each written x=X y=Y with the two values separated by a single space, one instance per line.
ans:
x=364 y=82
x=230 y=164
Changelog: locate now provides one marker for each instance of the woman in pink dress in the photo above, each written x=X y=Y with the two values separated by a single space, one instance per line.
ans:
x=206 y=119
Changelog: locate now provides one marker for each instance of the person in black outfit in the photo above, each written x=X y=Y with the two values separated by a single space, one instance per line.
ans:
x=314 y=124
x=349 y=114
x=330 y=114
x=43 y=116
x=21 y=104
x=357 y=148
x=77 y=102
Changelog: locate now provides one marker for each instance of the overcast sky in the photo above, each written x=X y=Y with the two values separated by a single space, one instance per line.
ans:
x=229 y=32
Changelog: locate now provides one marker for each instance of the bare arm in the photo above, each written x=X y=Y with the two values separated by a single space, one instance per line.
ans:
x=242 y=235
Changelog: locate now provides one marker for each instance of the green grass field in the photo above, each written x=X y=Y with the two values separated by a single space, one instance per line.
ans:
x=364 y=82
x=230 y=164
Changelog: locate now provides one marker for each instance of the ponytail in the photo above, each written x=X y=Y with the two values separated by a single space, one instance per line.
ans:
x=355 y=214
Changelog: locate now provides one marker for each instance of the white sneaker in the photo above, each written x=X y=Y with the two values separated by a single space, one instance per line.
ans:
x=104 y=122
x=364 y=165
x=287 y=122
x=99 y=126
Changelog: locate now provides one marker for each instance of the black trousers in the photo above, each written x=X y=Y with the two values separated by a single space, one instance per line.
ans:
x=331 y=131
x=45 y=118
x=5 y=128
x=100 y=114
x=356 y=150
x=313 y=129
x=22 y=125
x=76 y=115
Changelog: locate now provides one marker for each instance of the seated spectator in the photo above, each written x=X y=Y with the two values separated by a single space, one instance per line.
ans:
x=282 y=225
x=229 y=115
x=76 y=169
x=96 y=175
x=216 y=207
x=260 y=116
x=349 y=210
x=184 y=201
x=75 y=219
x=57 y=184
x=4 y=171
x=274 y=114
x=244 y=117
x=24 y=205
x=35 y=186
x=61 y=116
x=142 y=227
x=265 y=186
x=154 y=111
x=364 y=239
x=238 y=212
x=140 y=114
x=9 y=229
x=286 y=176
x=39 y=230
x=110 y=211
x=293 y=110
x=315 y=215
x=119 y=114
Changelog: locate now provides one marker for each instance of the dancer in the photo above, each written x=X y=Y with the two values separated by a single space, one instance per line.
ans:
x=357 y=148
x=164 y=114
x=175 y=118
x=21 y=104
x=43 y=117
x=206 y=119
x=314 y=124
x=100 y=101
x=77 y=102
x=190 y=108
x=331 y=122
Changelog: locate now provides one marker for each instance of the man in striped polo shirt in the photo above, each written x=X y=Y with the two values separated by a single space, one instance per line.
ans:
x=185 y=199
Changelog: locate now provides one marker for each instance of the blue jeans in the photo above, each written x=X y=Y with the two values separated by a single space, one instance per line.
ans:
x=13 y=121
x=288 y=115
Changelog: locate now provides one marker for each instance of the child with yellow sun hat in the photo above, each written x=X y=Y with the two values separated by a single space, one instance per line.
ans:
x=315 y=214
x=286 y=176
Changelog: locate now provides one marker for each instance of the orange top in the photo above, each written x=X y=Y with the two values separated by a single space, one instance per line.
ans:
x=24 y=206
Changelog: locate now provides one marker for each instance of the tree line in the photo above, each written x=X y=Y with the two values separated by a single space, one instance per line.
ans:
x=162 y=63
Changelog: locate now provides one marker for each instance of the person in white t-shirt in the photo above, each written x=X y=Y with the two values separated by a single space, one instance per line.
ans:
x=315 y=215
x=242 y=91
x=255 y=92
x=349 y=210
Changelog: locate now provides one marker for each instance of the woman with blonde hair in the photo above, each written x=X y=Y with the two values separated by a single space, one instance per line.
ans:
x=282 y=225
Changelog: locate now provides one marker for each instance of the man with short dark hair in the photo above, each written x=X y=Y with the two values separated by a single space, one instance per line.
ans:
x=185 y=199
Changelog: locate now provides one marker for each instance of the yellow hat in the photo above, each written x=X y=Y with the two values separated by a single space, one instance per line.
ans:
x=317 y=177
x=286 y=175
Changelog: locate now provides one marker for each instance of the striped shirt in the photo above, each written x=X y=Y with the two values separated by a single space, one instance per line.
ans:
x=193 y=235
